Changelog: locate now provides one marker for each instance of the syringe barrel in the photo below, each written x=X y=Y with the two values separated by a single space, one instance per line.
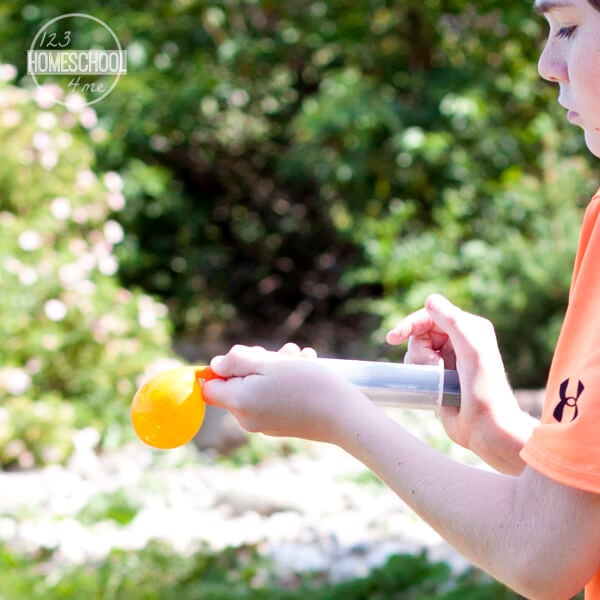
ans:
x=398 y=384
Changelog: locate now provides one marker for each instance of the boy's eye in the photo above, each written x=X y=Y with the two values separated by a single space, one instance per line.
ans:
x=566 y=32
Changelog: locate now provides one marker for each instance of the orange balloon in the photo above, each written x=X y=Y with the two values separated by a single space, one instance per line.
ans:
x=168 y=410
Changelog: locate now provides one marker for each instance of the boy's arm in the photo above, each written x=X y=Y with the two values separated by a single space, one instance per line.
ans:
x=537 y=536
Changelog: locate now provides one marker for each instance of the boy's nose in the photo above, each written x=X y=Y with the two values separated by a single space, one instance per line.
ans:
x=551 y=65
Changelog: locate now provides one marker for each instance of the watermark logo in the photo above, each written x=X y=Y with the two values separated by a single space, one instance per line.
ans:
x=78 y=53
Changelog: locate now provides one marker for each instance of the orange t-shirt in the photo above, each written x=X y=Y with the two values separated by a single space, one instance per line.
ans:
x=566 y=446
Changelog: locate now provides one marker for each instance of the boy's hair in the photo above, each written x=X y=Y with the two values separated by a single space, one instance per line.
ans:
x=595 y=4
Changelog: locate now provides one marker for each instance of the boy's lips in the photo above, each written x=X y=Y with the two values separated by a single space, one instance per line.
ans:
x=571 y=114
x=573 y=117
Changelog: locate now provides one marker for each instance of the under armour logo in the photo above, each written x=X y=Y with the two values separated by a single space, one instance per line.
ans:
x=568 y=402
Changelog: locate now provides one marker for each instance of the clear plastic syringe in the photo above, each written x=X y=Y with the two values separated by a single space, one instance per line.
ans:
x=398 y=384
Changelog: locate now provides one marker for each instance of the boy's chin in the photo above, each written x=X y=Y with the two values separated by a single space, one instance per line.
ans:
x=592 y=141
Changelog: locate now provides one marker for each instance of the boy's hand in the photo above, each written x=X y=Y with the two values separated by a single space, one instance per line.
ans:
x=489 y=420
x=283 y=393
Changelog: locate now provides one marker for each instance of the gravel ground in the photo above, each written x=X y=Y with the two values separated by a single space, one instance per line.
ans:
x=316 y=509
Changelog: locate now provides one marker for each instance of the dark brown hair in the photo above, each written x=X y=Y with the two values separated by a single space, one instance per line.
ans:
x=595 y=4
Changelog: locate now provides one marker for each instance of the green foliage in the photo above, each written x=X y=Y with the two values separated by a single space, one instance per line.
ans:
x=114 y=506
x=510 y=261
x=318 y=167
x=34 y=433
x=234 y=574
x=73 y=341
x=314 y=163
x=306 y=170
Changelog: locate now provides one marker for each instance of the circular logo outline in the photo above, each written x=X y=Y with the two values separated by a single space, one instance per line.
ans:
x=84 y=16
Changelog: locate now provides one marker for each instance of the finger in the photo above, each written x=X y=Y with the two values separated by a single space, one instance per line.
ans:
x=462 y=327
x=290 y=348
x=223 y=393
x=420 y=352
x=294 y=350
x=418 y=323
x=308 y=352
x=239 y=361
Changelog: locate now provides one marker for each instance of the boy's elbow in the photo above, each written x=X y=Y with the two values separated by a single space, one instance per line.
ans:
x=552 y=558
x=545 y=590
x=538 y=580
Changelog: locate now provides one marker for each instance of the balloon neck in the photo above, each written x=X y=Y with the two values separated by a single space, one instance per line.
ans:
x=205 y=373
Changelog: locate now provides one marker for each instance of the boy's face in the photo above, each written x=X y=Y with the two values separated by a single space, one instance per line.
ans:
x=571 y=58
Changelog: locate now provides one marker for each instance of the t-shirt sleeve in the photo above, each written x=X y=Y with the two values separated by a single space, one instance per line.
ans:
x=566 y=445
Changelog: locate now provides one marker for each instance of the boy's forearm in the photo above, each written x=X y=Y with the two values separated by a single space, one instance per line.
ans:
x=437 y=488
x=478 y=512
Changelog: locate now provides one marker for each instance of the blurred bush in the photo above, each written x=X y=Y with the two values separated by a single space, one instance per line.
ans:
x=73 y=340
x=310 y=170
x=510 y=260
x=158 y=573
